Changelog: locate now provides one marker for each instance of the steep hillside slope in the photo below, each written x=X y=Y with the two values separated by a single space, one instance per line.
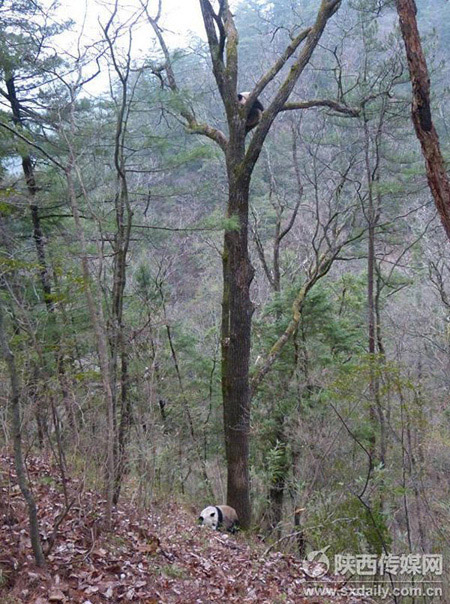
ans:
x=159 y=556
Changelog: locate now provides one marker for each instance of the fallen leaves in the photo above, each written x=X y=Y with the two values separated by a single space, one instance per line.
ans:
x=147 y=557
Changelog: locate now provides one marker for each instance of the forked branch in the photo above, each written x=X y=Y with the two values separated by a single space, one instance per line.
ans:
x=188 y=115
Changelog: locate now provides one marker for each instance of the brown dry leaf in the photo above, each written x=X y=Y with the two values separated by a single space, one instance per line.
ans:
x=57 y=596
x=148 y=548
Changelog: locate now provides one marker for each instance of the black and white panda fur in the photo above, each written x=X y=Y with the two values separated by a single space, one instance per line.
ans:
x=219 y=516
x=255 y=114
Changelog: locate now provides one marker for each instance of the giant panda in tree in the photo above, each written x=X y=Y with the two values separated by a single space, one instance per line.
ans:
x=255 y=114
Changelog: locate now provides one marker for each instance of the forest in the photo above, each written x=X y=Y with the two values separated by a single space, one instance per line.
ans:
x=211 y=296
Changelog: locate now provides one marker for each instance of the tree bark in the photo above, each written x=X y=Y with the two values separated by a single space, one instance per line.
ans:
x=421 y=111
x=17 y=438
x=237 y=310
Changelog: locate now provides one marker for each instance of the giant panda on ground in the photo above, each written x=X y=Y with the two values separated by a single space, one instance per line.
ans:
x=219 y=516
x=255 y=114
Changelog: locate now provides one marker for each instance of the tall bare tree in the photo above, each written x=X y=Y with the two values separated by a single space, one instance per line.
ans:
x=240 y=161
x=124 y=214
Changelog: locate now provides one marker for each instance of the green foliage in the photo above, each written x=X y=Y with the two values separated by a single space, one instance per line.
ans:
x=277 y=462
x=217 y=221
x=346 y=525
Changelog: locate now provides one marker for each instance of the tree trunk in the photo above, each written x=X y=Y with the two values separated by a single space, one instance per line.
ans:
x=41 y=253
x=421 y=111
x=116 y=340
x=126 y=420
x=373 y=387
x=28 y=171
x=279 y=479
x=17 y=438
x=237 y=313
x=99 y=327
x=237 y=308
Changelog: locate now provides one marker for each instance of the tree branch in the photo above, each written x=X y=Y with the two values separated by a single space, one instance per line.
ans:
x=216 y=47
x=34 y=145
x=193 y=126
x=232 y=39
x=168 y=63
x=326 y=11
x=338 y=107
x=277 y=66
x=261 y=252
x=320 y=270
x=214 y=134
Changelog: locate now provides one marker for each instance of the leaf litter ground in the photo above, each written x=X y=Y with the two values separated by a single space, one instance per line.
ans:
x=156 y=556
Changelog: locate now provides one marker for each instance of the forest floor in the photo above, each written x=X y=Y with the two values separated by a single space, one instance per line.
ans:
x=160 y=556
